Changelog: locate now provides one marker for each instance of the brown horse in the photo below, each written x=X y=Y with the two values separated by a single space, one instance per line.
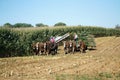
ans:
x=51 y=47
x=42 y=48
x=82 y=46
x=78 y=46
x=74 y=48
x=35 y=47
x=68 y=46
x=39 y=48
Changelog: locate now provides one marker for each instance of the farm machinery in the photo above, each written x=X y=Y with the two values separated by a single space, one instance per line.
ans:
x=84 y=36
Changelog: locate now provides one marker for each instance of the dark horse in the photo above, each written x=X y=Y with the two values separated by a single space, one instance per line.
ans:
x=52 y=47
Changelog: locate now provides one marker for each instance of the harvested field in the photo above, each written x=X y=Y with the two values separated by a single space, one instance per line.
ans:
x=100 y=64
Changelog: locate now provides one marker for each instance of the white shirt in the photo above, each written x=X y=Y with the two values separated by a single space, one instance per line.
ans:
x=76 y=36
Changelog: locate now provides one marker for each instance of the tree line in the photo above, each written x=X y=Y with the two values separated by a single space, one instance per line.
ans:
x=18 y=25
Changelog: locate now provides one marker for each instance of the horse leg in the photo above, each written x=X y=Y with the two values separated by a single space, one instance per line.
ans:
x=36 y=53
x=80 y=50
x=68 y=50
x=73 y=50
x=39 y=53
x=44 y=51
x=65 y=50
x=84 y=51
x=49 y=52
x=55 y=51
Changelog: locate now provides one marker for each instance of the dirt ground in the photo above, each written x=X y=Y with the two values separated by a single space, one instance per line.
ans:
x=105 y=59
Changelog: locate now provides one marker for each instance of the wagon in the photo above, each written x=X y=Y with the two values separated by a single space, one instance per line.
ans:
x=88 y=39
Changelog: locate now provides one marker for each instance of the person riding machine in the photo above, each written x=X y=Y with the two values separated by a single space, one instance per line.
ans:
x=76 y=39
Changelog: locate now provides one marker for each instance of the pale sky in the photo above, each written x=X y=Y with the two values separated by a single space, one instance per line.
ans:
x=104 y=13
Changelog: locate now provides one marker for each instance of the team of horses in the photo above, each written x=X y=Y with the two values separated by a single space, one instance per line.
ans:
x=48 y=47
x=72 y=46
x=44 y=48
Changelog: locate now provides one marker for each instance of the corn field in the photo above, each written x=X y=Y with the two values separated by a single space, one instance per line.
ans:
x=17 y=41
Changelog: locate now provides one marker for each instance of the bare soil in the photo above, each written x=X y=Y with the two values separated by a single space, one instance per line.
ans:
x=104 y=59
